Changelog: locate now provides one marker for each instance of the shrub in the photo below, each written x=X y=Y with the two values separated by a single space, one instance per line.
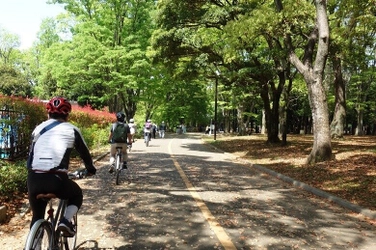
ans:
x=18 y=119
x=85 y=117
x=25 y=115
x=95 y=136
x=13 y=178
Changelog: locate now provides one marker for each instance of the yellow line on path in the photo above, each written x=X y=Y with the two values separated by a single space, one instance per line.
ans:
x=214 y=224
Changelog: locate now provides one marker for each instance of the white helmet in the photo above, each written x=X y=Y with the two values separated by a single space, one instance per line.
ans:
x=131 y=120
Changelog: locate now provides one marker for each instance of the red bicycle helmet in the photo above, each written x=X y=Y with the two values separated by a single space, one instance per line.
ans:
x=59 y=105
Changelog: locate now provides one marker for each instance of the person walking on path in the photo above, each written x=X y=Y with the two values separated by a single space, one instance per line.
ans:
x=154 y=130
x=132 y=127
x=162 y=129
x=48 y=163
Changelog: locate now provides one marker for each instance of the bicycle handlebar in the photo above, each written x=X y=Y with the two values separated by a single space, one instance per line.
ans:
x=79 y=174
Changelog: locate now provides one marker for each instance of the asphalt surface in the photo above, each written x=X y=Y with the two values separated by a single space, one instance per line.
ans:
x=187 y=195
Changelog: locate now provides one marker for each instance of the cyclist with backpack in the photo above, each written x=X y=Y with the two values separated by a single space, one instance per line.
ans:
x=120 y=136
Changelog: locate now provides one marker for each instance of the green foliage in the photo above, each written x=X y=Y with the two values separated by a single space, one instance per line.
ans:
x=85 y=117
x=21 y=116
x=104 y=63
x=94 y=126
x=12 y=82
x=95 y=136
x=25 y=115
x=13 y=178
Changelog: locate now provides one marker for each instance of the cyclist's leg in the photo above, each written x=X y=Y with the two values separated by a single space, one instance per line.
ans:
x=112 y=157
x=51 y=184
x=112 y=153
x=70 y=242
x=124 y=151
x=72 y=192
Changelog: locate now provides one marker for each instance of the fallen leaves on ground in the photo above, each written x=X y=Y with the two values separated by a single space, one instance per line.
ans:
x=350 y=176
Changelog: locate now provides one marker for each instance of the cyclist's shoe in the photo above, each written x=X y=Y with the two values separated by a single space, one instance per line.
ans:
x=66 y=228
x=111 y=170
x=125 y=165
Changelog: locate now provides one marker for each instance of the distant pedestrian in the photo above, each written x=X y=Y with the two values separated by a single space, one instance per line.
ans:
x=184 y=128
x=162 y=129
x=154 y=129
x=207 y=130
x=132 y=127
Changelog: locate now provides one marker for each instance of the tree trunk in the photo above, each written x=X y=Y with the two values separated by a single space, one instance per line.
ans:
x=271 y=114
x=284 y=108
x=263 y=123
x=241 y=127
x=227 y=121
x=337 y=126
x=322 y=149
x=313 y=75
x=362 y=97
x=359 y=126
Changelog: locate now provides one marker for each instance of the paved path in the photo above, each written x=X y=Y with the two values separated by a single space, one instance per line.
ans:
x=187 y=195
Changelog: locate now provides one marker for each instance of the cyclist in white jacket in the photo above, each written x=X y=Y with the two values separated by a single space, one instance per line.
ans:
x=48 y=163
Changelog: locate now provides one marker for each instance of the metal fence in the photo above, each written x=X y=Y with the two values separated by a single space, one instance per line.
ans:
x=12 y=144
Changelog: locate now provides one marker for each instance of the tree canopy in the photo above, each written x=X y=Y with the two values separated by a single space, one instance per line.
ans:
x=263 y=64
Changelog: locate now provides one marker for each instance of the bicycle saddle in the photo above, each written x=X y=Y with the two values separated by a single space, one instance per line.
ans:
x=46 y=196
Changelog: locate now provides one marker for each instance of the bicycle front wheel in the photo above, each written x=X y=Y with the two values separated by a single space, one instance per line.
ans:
x=69 y=243
x=40 y=236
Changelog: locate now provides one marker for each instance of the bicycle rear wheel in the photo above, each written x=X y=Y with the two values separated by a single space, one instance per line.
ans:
x=69 y=243
x=40 y=236
x=118 y=167
x=147 y=139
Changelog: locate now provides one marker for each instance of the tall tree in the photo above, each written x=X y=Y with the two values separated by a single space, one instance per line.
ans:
x=8 y=43
x=312 y=68
x=13 y=82
x=109 y=41
x=221 y=33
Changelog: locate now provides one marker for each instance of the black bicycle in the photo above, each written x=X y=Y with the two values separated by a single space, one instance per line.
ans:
x=44 y=233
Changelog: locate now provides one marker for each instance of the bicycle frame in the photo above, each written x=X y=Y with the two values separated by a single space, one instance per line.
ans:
x=48 y=226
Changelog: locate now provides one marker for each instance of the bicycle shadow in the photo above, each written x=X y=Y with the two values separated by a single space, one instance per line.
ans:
x=93 y=245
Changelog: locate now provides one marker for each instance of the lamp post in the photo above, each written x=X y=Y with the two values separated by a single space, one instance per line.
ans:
x=216 y=104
